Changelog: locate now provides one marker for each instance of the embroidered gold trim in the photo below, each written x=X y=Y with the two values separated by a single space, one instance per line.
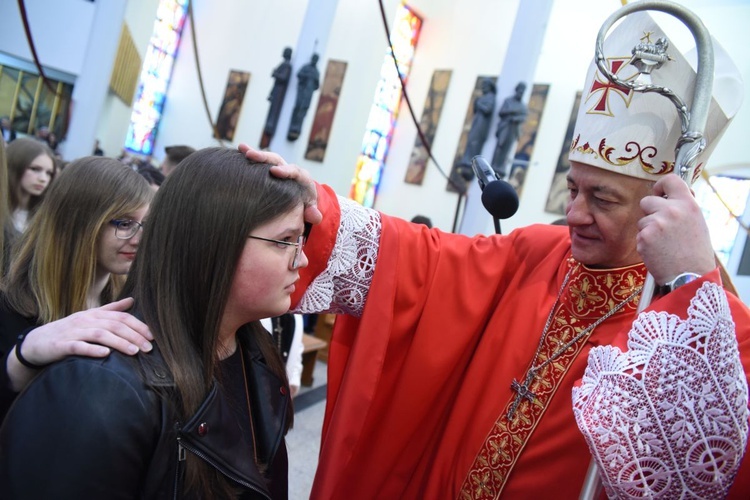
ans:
x=590 y=294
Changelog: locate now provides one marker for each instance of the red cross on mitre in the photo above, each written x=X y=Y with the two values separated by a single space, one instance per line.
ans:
x=604 y=86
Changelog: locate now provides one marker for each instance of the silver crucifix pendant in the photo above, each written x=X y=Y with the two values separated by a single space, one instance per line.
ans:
x=522 y=392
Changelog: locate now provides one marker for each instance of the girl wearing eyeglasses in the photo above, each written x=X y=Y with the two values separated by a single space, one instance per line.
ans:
x=68 y=266
x=205 y=413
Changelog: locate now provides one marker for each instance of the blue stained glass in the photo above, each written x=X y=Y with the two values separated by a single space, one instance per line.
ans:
x=722 y=225
x=382 y=118
x=382 y=150
x=155 y=74
x=370 y=143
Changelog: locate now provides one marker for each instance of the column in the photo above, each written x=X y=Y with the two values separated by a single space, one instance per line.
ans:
x=92 y=83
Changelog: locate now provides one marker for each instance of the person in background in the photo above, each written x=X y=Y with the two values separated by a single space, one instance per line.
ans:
x=72 y=260
x=47 y=136
x=6 y=129
x=153 y=175
x=98 y=151
x=31 y=169
x=42 y=134
x=309 y=321
x=175 y=154
x=205 y=413
x=422 y=219
x=53 y=142
x=287 y=331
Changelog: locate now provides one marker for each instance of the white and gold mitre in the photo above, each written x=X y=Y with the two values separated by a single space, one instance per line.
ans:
x=636 y=133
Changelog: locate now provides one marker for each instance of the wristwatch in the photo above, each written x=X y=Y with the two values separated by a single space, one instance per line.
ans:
x=680 y=280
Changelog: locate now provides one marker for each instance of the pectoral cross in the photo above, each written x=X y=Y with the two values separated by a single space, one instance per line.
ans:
x=278 y=329
x=523 y=391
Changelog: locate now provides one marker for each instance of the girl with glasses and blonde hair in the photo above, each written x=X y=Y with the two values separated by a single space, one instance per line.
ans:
x=205 y=413
x=67 y=267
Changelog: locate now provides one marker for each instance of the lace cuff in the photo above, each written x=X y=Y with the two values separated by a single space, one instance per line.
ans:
x=669 y=417
x=342 y=288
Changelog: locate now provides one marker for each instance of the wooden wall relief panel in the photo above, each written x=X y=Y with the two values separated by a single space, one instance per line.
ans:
x=231 y=105
x=558 y=191
x=326 y=110
x=433 y=107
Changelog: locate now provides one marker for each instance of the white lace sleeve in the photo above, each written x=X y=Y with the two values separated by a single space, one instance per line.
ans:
x=342 y=288
x=669 y=417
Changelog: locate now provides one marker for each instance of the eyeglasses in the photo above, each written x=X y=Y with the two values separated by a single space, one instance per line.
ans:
x=125 y=228
x=296 y=244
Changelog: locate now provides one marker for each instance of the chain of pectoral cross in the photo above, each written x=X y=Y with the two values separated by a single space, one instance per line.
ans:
x=277 y=331
x=523 y=390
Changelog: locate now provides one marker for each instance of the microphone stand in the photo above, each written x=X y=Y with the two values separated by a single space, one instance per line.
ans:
x=461 y=195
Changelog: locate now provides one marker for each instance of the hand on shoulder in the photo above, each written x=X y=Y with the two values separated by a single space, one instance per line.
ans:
x=92 y=333
x=89 y=333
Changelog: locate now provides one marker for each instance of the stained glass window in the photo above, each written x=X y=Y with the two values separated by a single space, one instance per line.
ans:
x=155 y=74
x=722 y=226
x=385 y=106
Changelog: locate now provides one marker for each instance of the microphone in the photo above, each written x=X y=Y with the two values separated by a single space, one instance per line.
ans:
x=498 y=197
x=484 y=172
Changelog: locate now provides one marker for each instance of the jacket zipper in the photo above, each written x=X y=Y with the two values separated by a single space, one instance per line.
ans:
x=181 y=447
x=180 y=459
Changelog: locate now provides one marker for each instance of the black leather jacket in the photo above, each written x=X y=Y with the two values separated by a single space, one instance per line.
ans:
x=100 y=428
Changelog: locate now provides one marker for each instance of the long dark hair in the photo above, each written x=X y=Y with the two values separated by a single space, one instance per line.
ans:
x=196 y=232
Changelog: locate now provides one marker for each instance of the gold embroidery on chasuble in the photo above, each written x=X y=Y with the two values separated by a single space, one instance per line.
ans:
x=589 y=295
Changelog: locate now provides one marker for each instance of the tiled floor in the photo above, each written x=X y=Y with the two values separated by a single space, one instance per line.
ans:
x=303 y=441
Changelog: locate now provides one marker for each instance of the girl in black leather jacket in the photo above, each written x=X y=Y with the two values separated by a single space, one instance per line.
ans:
x=205 y=413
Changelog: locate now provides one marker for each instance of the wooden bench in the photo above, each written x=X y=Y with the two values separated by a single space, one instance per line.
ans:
x=324 y=331
x=311 y=346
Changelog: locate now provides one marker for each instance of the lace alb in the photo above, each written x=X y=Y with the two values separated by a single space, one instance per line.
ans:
x=669 y=417
x=342 y=288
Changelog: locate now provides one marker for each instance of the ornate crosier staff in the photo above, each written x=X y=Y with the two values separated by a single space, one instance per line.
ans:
x=648 y=57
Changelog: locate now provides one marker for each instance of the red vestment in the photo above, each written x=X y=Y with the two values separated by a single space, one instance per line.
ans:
x=417 y=384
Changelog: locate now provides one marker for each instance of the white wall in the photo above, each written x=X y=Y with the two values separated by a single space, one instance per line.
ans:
x=60 y=30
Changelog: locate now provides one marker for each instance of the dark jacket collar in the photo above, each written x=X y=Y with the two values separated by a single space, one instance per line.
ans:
x=211 y=432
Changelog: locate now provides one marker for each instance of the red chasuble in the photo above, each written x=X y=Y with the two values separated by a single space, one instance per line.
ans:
x=419 y=387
